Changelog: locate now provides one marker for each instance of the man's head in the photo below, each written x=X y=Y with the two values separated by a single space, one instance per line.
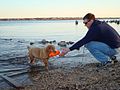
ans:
x=88 y=19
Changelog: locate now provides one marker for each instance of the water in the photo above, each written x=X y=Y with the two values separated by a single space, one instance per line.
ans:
x=47 y=29
x=38 y=30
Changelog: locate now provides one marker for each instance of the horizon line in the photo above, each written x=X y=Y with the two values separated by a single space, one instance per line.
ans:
x=54 y=18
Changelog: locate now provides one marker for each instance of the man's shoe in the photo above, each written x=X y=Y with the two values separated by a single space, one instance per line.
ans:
x=114 y=59
x=104 y=64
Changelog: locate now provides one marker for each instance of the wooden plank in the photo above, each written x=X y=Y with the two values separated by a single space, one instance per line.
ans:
x=12 y=82
x=10 y=70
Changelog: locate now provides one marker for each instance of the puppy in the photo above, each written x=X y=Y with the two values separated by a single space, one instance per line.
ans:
x=40 y=53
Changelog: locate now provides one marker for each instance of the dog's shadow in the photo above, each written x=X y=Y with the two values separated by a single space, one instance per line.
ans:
x=36 y=68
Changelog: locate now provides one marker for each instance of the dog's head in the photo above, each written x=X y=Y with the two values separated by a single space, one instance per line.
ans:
x=50 y=48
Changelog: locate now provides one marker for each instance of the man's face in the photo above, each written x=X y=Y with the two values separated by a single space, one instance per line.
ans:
x=87 y=22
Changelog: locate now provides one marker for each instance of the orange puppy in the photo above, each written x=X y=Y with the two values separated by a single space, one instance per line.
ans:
x=41 y=53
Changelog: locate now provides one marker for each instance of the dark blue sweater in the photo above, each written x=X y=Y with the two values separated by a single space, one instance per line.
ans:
x=101 y=32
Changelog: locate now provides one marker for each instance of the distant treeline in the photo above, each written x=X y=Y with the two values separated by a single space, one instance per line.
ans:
x=51 y=18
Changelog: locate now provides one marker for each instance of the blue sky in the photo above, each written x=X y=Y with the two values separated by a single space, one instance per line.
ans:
x=58 y=8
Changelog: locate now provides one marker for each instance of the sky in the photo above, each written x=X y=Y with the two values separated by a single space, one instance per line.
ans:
x=58 y=8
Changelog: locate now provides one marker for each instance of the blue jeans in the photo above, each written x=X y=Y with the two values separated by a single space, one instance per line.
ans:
x=101 y=51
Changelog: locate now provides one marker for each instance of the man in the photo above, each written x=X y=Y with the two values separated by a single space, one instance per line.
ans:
x=101 y=40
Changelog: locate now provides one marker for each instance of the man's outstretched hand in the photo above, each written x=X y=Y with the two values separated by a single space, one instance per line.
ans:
x=64 y=51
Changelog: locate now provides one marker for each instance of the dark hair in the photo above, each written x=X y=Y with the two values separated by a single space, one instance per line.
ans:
x=89 y=16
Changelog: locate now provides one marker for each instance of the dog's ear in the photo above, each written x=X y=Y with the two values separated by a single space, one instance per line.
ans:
x=50 y=48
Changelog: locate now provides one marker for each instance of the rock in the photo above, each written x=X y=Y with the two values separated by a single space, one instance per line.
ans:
x=76 y=22
x=44 y=41
x=31 y=43
x=62 y=43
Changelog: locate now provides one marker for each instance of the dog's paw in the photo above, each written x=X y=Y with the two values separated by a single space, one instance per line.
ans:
x=30 y=64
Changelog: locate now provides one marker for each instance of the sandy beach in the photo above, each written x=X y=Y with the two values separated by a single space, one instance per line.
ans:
x=87 y=77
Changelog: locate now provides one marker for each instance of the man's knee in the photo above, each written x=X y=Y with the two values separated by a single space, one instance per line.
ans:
x=90 y=44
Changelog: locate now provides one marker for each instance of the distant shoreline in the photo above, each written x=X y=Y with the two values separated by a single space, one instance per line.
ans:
x=52 y=18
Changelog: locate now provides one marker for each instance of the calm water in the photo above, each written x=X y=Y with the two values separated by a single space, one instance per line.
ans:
x=58 y=30
x=49 y=29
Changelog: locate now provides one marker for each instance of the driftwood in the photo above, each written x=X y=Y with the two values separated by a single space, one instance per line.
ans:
x=12 y=82
x=17 y=73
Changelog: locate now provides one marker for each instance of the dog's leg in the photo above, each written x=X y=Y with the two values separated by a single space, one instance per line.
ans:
x=32 y=61
x=31 y=58
x=46 y=64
